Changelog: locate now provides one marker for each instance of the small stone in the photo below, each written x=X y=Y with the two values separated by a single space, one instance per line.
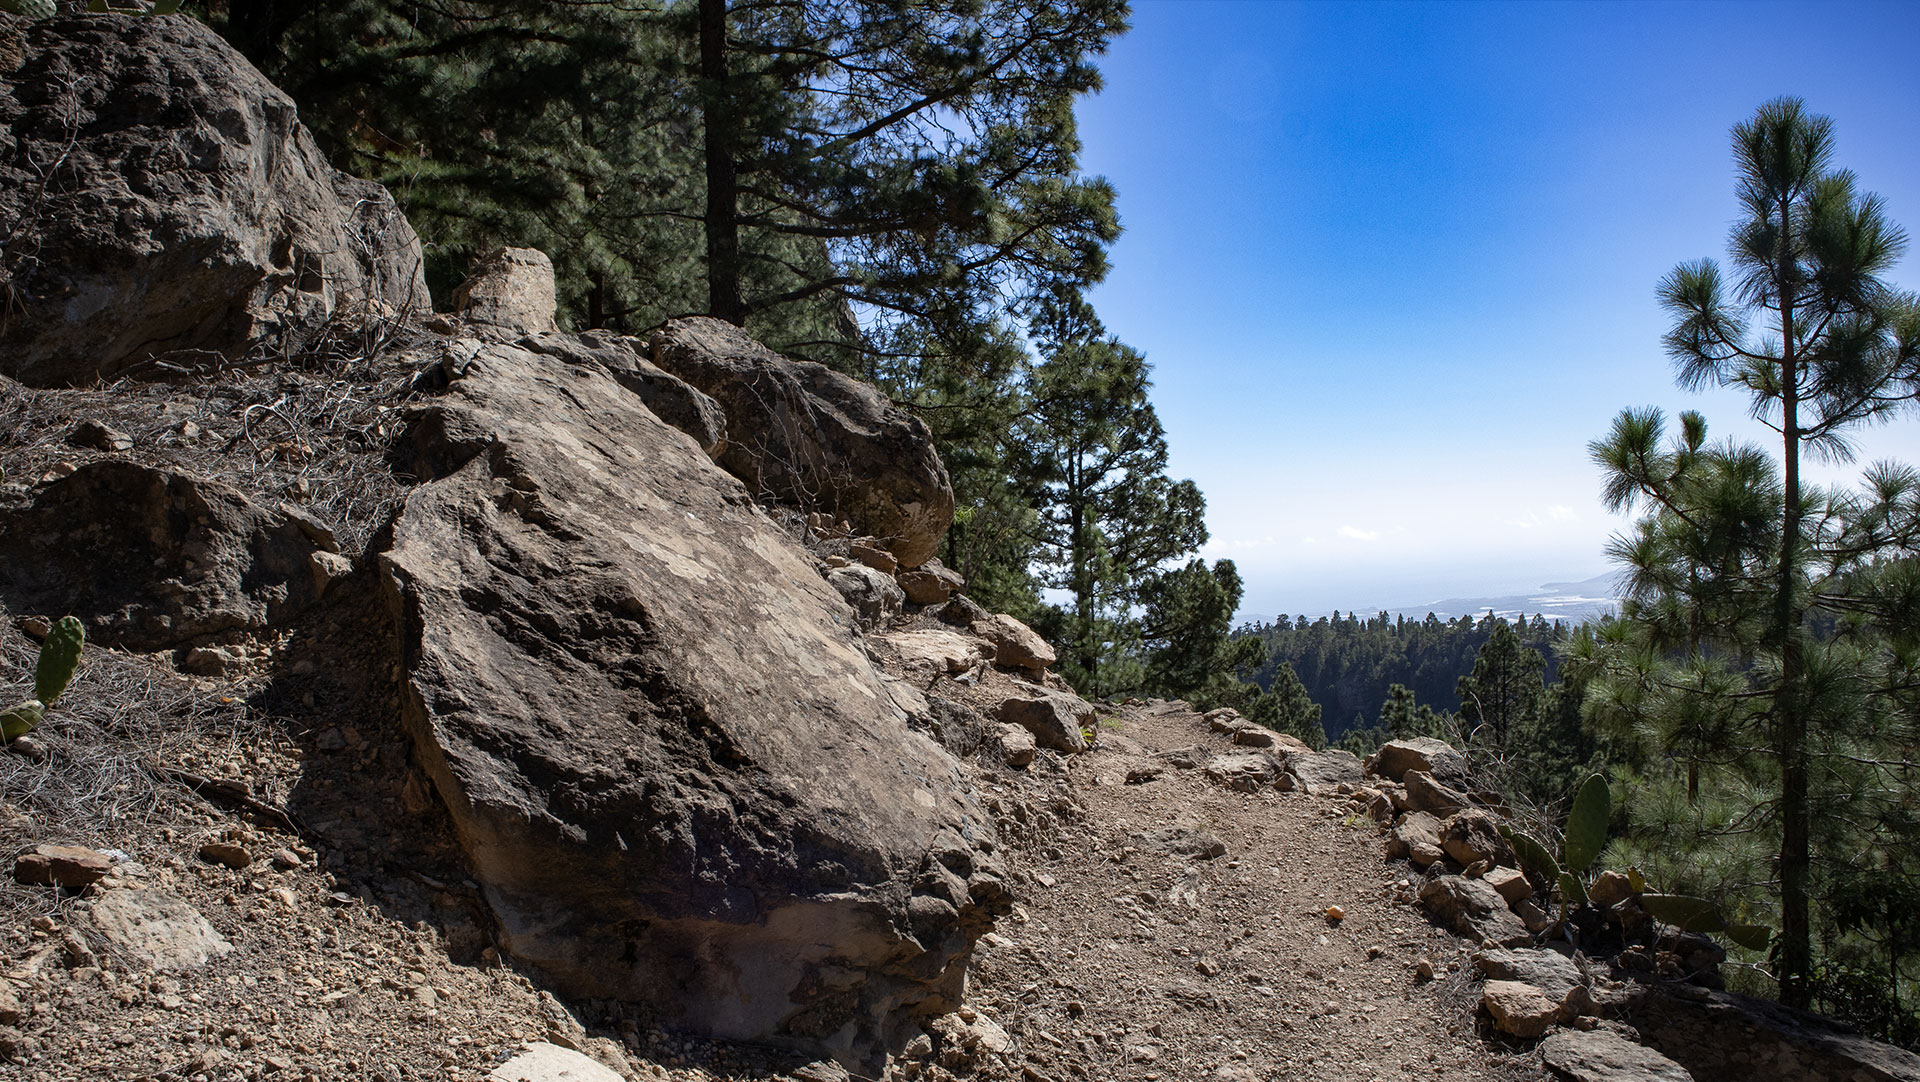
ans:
x=1610 y=889
x=1511 y=884
x=1207 y=967
x=36 y=627
x=61 y=865
x=873 y=556
x=285 y=858
x=1423 y=969
x=1521 y=1009
x=1335 y=914
x=209 y=660
x=230 y=854
x=94 y=434
x=29 y=747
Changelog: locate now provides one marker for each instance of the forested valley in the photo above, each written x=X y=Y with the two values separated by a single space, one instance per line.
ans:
x=893 y=190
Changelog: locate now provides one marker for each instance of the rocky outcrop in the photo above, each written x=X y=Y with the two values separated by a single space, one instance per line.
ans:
x=152 y=559
x=158 y=196
x=1605 y=1056
x=511 y=289
x=671 y=398
x=808 y=436
x=1721 y=1035
x=1437 y=758
x=680 y=780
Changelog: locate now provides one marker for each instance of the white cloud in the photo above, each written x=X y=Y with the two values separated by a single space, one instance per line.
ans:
x=1561 y=513
x=1357 y=534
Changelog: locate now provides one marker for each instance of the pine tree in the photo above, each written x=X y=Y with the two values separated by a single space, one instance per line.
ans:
x=928 y=146
x=1503 y=691
x=1093 y=451
x=1761 y=587
x=1191 y=652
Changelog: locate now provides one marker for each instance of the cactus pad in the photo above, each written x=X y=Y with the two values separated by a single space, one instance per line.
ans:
x=32 y=9
x=21 y=718
x=59 y=656
x=1587 y=824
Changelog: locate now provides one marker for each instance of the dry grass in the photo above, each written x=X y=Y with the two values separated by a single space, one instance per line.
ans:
x=123 y=719
x=316 y=434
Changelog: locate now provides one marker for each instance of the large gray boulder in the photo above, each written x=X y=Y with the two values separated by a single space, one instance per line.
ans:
x=680 y=780
x=151 y=559
x=189 y=211
x=804 y=434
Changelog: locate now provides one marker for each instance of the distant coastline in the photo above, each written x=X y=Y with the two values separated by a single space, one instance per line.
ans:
x=1573 y=602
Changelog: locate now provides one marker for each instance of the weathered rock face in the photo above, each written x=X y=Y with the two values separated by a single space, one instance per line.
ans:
x=679 y=779
x=1604 y=1056
x=1472 y=908
x=809 y=436
x=1436 y=757
x=671 y=398
x=191 y=212
x=152 y=559
x=512 y=289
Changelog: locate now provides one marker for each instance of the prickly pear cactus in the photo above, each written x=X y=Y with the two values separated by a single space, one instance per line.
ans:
x=1587 y=824
x=22 y=718
x=59 y=656
x=32 y=9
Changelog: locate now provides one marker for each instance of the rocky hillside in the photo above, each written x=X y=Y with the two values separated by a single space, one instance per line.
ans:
x=468 y=699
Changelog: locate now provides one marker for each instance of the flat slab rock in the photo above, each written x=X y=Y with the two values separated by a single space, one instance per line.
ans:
x=542 y=1062
x=680 y=780
x=157 y=930
x=1603 y=1056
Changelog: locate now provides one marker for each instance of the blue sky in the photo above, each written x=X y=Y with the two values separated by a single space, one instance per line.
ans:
x=1394 y=264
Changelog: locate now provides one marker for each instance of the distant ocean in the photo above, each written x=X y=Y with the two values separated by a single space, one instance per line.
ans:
x=1573 y=602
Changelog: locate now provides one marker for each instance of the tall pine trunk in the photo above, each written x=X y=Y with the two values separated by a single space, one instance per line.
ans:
x=723 y=194
x=1790 y=722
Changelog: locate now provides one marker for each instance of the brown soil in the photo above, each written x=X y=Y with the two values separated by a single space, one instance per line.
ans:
x=1132 y=962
